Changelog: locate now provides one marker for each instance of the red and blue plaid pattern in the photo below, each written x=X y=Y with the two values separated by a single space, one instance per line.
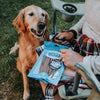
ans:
x=87 y=46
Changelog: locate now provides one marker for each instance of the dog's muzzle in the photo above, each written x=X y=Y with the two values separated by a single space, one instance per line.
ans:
x=41 y=28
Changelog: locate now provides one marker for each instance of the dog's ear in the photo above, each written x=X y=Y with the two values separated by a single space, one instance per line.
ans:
x=47 y=20
x=46 y=38
x=19 y=22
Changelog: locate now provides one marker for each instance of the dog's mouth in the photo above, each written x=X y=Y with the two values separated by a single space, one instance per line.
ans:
x=39 y=33
x=41 y=28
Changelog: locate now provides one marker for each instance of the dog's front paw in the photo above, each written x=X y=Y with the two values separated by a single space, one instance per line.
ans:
x=26 y=95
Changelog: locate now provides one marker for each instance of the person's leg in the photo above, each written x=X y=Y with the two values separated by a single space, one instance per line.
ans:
x=66 y=72
x=69 y=72
x=43 y=85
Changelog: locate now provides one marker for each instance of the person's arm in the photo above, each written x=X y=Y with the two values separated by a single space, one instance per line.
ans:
x=93 y=62
x=73 y=32
x=78 y=26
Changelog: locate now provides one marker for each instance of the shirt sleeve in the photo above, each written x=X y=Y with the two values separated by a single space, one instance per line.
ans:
x=78 y=26
x=93 y=62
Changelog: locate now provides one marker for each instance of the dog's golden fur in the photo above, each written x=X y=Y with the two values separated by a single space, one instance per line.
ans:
x=32 y=23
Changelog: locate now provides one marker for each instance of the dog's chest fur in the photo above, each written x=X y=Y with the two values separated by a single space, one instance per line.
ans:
x=27 y=50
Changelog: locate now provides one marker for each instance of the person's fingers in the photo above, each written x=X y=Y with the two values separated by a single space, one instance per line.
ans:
x=63 y=59
x=63 y=51
x=63 y=42
x=58 y=38
x=62 y=55
x=58 y=41
x=59 y=35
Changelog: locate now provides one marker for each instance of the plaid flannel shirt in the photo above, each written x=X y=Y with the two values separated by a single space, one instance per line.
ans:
x=87 y=46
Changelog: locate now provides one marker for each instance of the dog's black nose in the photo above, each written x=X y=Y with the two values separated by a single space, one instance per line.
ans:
x=41 y=25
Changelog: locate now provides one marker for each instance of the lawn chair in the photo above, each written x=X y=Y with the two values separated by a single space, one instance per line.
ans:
x=69 y=10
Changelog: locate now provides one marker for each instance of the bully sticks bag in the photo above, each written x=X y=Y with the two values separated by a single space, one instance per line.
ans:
x=49 y=66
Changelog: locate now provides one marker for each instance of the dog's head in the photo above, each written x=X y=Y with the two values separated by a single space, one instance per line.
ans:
x=33 y=19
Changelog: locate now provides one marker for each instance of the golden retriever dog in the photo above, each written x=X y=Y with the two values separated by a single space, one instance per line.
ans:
x=32 y=23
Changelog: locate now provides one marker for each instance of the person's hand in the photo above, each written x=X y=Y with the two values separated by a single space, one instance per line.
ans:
x=65 y=35
x=70 y=58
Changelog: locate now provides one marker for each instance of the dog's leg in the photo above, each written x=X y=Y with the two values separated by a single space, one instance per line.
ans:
x=26 y=93
x=14 y=49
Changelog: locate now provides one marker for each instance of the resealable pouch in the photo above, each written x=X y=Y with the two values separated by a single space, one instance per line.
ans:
x=49 y=66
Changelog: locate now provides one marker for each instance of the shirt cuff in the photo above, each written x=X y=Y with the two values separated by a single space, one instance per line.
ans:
x=74 y=33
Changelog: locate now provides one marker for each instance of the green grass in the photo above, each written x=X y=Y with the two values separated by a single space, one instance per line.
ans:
x=11 y=84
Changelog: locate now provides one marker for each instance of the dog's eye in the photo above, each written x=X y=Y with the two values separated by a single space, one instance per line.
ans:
x=31 y=14
x=43 y=14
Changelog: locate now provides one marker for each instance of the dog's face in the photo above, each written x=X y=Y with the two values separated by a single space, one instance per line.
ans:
x=33 y=19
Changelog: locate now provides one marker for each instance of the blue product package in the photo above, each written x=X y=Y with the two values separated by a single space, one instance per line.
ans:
x=49 y=66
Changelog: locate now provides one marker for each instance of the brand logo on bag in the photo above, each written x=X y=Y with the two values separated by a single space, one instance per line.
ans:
x=54 y=54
